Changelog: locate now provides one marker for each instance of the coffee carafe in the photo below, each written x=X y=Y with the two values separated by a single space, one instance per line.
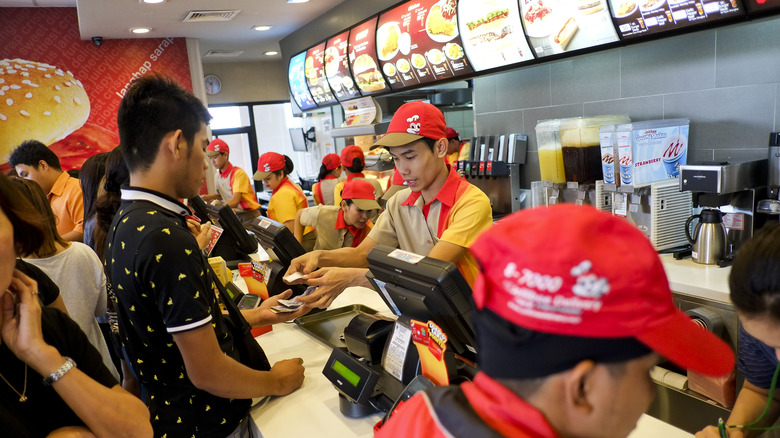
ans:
x=709 y=237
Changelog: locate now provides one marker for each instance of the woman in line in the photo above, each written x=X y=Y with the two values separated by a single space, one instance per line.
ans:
x=330 y=171
x=84 y=399
x=91 y=176
x=74 y=267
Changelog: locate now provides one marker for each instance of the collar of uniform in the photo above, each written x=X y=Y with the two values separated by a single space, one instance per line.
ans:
x=228 y=169
x=284 y=182
x=160 y=199
x=446 y=194
x=329 y=177
x=341 y=224
x=499 y=406
x=352 y=176
x=59 y=185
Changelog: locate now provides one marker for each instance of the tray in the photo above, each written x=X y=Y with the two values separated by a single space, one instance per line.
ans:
x=328 y=326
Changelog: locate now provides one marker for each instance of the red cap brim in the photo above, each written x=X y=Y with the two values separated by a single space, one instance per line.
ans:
x=686 y=344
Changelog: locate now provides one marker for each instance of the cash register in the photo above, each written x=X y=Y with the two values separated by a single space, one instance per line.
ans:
x=380 y=364
x=234 y=244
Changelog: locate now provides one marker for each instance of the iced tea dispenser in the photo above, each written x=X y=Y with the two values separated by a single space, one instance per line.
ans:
x=548 y=143
x=580 y=146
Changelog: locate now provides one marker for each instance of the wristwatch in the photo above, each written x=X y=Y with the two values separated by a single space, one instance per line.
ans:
x=57 y=375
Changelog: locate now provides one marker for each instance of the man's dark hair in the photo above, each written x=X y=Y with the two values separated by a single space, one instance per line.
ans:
x=430 y=142
x=754 y=280
x=153 y=107
x=31 y=152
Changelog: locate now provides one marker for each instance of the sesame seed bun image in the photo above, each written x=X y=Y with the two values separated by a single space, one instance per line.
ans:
x=38 y=101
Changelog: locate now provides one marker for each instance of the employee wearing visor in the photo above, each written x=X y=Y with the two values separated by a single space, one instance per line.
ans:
x=232 y=183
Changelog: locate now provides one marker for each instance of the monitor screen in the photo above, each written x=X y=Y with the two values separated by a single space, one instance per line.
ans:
x=281 y=246
x=298 y=139
x=424 y=289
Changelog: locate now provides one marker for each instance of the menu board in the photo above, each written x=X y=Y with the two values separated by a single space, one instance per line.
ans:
x=761 y=6
x=492 y=34
x=646 y=17
x=418 y=42
x=362 y=58
x=314 y=70
x=337 y=68
x=297 y=81
x=560 y=26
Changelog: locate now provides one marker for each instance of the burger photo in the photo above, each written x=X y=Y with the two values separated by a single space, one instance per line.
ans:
x=367 y=75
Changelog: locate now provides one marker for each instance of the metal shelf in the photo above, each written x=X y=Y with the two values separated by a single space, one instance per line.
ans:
x=353 y=131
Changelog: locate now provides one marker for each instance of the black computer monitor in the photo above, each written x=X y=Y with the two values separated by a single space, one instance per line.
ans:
x=281 y=246
x=298 y=139
x=426 y=289
x=235 y=244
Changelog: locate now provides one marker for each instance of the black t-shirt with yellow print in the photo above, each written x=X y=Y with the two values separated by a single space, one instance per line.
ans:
x=162 y=285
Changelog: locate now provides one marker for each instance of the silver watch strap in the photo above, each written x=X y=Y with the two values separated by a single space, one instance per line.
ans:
x=57 y=375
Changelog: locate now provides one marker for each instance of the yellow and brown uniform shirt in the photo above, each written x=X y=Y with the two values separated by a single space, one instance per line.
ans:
x=340 y=186
x=332 y=231
x=235 y=180
x=162 y=287
x=285 y=202
x=458 y=214
x=322 y=191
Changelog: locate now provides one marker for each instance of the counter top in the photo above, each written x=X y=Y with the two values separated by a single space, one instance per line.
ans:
x=704 y=281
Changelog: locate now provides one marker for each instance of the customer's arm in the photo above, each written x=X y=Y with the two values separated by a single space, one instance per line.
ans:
x=749 y=406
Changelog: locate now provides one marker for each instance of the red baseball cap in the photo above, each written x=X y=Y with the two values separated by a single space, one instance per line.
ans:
x=268 y=162
x=413 y=121
x=452 y=134
x=362 y=193
x=577 y=272
x=349 y=153
x=331 y=161
x=217 y=146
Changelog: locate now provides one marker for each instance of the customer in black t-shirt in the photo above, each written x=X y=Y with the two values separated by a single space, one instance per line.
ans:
x=81 y=396
x=169 y=321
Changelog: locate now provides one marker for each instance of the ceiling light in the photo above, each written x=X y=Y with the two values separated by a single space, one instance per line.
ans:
x=140 y=29
x=262 y=27
x=151 y=2
x=271 y=53
x=297 y=1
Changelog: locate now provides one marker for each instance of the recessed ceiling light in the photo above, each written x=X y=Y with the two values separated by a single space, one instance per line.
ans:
x=271 y=53
x=140 y=29
x=297 y=1
x=262 y=27
x=151 y=2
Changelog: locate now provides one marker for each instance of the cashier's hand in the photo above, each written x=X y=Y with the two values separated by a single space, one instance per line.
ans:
x=263 y=315
x=304 y=264
x=202 y=232
x=712 y=432
x=330 y=283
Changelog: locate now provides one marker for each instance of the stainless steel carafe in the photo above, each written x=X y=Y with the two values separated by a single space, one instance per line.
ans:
x=709 y=238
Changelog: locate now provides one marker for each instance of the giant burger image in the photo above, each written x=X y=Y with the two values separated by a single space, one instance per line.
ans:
x=367 y=75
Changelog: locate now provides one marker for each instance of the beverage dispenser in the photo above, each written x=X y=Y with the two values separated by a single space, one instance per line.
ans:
x=494 y=166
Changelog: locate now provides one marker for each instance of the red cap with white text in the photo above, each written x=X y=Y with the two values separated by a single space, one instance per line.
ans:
x=217 y=146
x=268 y=163
x=331 y=161
x=362 y=193
x=349 y=153
x=413 y=121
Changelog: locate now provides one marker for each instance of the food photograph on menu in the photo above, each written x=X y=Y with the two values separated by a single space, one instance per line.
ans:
x=559 y=26
x=646 y=17
x=492 y=34
x=297 y=81
x=760 y=7
x=314 y=69
x=419 y=42
x=337 y=68
x=362 y=51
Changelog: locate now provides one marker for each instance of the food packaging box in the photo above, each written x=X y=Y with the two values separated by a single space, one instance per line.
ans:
x=658 y=149
x=548 y=143
x=581 y=146
x=721 y=389
x=254 y=275
x=609 y=155
x=220 y=268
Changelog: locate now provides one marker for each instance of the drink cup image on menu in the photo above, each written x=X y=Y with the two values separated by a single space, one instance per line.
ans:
x=608 y=167
x=675 y=154
x=625 y=170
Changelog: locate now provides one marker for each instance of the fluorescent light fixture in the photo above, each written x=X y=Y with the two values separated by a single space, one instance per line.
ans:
x=262 y=27
x=140 y=29
x=271 y=53
x=297 y=1
x=152 y=2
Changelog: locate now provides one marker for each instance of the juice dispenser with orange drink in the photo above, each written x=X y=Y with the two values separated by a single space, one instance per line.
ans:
x=548 y=143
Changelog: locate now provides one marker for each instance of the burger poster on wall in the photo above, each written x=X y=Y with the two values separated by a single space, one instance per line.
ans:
x=337 y=68
x=559 y=26
x=315 y=76
x=297 y=80
x=418 y=42
x=492 y=34
x=362 y=52
x=65 y=92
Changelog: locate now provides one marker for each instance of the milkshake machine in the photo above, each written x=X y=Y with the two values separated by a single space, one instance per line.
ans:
x=771 y=205
x=493 y=165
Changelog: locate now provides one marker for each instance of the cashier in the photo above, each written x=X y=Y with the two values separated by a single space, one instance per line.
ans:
x=353 y=160
x=233 y=184
x=343 y=226
x=453 y=145
x=568 y=330
x=754 y=284
x=439 y=214
x=330 y=171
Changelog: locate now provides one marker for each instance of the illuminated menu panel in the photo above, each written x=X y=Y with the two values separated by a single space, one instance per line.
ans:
x=337 y=68
x=635 y=18
x=561 y=26
x=362 y=58
x=418 y=42
x=492 y=34
x=761 y=6
x=314 y=69
x=297 y=81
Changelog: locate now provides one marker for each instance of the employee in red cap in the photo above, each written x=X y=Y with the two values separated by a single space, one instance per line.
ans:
x=568 y=329
x=754 y=284
x=438 y=215
x=287 y=197
x=453 y=145
x=394 y=185
x=330 y=171
x=353 y=160
x=343 y=226
x=232 y=183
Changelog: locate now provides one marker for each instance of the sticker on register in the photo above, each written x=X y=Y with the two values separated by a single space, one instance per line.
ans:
x=265 y=223
x=734 y=221
x=406 y=256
